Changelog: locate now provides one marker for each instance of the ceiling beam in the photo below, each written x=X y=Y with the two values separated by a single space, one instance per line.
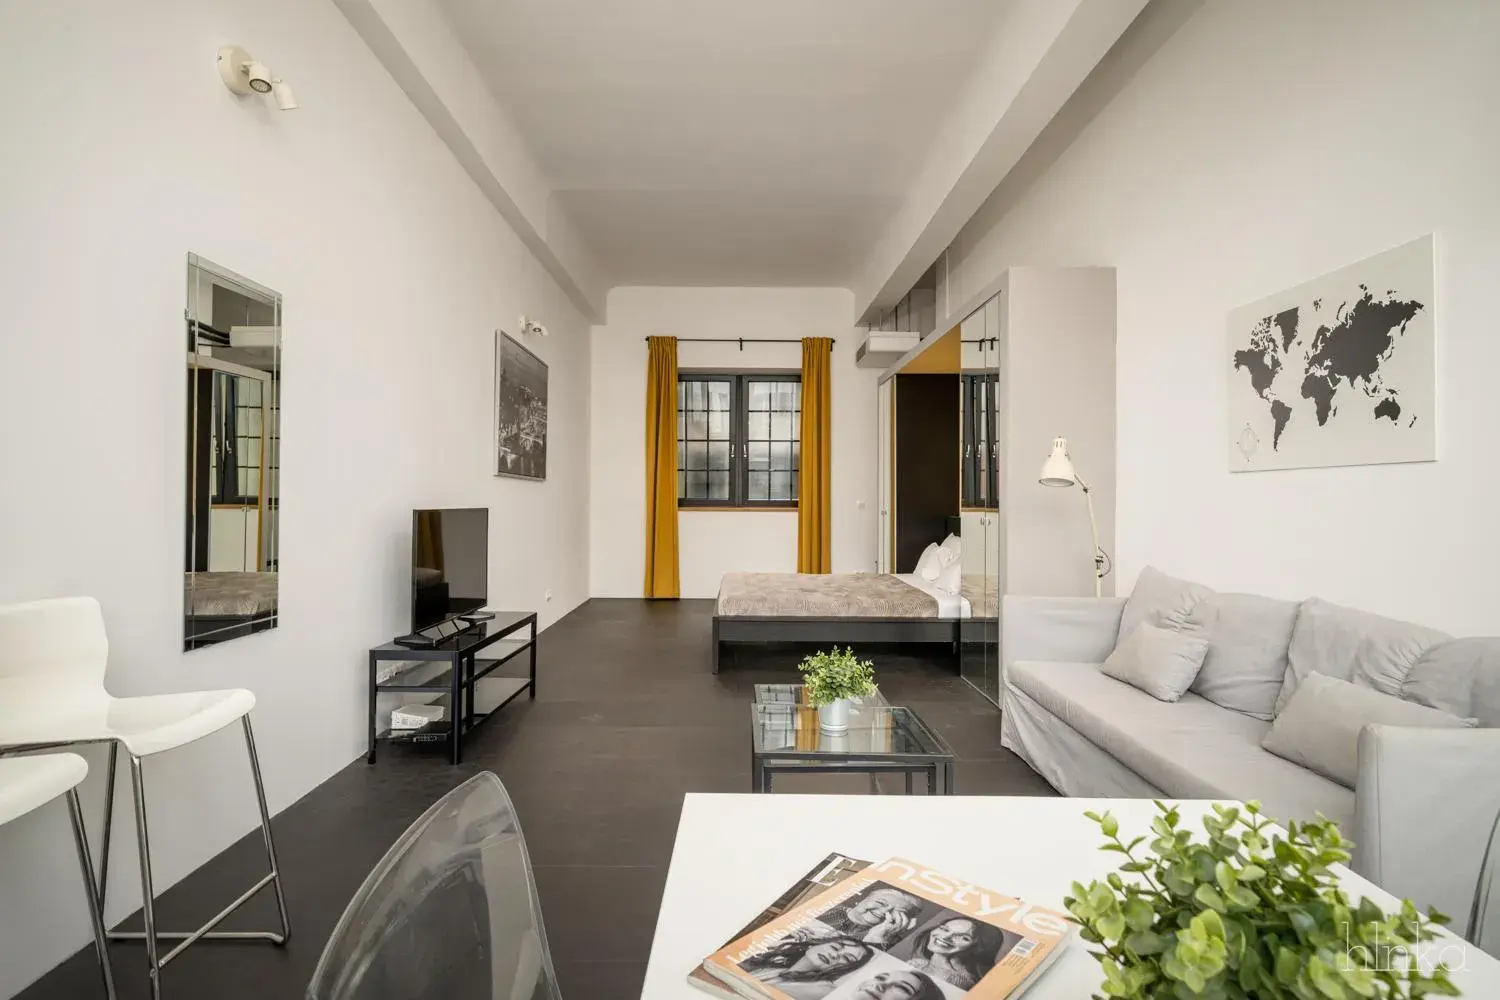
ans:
x=417 y=46
x=1042 y=51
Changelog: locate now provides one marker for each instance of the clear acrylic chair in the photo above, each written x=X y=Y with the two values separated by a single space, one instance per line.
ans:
x=27 y=783
x=52 y=665
x=451 y=911
x=1484 y=918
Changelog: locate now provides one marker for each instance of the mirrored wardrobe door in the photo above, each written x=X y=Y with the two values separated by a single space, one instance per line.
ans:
x=233 y=456
x=994 y=546
x=973 y=645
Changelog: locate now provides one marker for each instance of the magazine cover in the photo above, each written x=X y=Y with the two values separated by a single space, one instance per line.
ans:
x=829 y=872
x=896 y=931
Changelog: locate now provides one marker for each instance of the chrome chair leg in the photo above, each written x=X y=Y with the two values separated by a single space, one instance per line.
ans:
x=148 y=897
x=96 y=916
x=265 y=829
x=109 y=816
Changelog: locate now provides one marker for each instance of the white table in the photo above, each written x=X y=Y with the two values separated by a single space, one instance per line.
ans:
x=736 y=853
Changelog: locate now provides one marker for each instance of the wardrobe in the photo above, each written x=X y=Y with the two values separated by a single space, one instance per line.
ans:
x=965 y=422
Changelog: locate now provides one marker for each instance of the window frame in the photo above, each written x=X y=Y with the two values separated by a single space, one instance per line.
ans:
x=977 y=434
x=739 y=432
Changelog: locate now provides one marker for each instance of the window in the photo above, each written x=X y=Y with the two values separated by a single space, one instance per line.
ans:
x=738 y=438
x=977 y=403
x=239 y=404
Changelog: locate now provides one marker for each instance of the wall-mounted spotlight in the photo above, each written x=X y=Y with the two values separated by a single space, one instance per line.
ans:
x=244 y=74
x=529 y=325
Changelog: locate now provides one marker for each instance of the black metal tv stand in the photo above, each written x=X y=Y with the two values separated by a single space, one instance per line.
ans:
x=452 y=670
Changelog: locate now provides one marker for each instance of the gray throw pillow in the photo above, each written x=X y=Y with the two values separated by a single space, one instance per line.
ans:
x=1248 y=637
x=1161 y=662
x=1461 y=677
x=1319 y=727
x=1356 y=646
x=1159 y=599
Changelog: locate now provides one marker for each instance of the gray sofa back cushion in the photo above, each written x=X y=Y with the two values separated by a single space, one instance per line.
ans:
x=1461 y=677
x=1247 y=651
x=1354 y=646
x=1159 y=661
x=1160 y=600
x=1319 y=728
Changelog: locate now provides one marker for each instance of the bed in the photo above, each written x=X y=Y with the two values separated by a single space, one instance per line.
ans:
x=223 y=605
x=835 y=608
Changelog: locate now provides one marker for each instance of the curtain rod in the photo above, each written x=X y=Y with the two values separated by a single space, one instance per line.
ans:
x=742 y=341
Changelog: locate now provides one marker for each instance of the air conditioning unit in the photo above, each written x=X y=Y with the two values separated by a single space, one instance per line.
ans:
x=883 y=348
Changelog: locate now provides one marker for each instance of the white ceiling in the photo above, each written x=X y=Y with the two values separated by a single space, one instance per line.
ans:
x=703 y=142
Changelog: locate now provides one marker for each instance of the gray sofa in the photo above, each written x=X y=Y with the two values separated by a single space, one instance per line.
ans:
x=1424 y=800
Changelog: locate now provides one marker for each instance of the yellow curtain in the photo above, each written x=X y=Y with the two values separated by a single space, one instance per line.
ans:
x=815 y=490
x=661 y=468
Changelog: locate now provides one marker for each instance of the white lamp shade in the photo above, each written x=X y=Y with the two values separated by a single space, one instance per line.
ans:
x=1058 y=469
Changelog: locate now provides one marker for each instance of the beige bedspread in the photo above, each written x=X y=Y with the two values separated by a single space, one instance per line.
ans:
x=231 y=594
x=822 y=595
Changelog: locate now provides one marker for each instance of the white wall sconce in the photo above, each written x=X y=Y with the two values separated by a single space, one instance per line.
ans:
x=244 y=74
x=529 y=325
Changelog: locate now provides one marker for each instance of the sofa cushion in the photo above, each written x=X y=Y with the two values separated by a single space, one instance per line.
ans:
x=1460 y=677
x=1159 y=599
x=1319 y=727
x=1161 y=662
x=1189 y=749
x=1354 y=646
x=1246 y=662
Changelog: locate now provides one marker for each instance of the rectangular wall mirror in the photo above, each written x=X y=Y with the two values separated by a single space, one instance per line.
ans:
x=233 y=455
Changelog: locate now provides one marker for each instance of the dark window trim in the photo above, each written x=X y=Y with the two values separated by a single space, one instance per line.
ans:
x=977 y=386
x=739 y=467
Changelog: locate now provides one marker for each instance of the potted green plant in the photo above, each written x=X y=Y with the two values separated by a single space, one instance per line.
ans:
x=1246 y=915
x=832 y=678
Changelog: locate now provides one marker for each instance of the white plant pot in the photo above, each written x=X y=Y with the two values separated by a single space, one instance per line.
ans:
x=834 y=716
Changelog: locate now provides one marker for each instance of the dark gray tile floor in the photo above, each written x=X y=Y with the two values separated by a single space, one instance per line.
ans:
x=627 y=719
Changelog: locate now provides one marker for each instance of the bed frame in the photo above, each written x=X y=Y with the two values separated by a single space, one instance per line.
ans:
x=756 y=628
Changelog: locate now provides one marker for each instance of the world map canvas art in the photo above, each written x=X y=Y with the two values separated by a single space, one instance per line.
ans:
x=1339 y=370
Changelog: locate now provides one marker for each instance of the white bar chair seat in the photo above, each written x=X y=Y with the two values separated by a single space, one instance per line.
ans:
x=145 y=725
x=53 y=655
x=27 y=784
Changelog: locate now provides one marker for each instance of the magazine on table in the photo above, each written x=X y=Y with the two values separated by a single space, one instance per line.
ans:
x=894 y=931
x=829 y=872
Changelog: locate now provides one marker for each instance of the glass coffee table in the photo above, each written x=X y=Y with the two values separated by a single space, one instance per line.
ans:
x=785 y=738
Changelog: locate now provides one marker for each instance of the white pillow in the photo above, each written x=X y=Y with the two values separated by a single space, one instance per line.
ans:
x=931 y=563
x=950 y=579
x=953 y=546
x=1319 y=727
x=1160 y=661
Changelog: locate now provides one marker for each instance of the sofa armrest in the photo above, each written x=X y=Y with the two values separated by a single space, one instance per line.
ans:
x=1424 y=805
x=1058 y=629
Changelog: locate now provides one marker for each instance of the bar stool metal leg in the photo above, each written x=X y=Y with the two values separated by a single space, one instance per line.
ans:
x=148 y=897
x=265 y=829
x=96 y=917
x=109 y=816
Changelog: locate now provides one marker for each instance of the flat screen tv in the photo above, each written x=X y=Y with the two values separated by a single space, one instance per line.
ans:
x=449 y=564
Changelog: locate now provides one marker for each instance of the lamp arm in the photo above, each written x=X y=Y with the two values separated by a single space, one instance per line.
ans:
x=1088 y=495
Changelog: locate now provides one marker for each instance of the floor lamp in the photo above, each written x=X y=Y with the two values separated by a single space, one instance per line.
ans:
x=1058 y=471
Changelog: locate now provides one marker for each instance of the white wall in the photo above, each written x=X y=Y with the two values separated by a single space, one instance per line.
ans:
x=712 y=543
x=395 y=272
x=1263 y=145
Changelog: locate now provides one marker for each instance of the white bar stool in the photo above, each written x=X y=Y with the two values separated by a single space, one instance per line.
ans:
x=27 y=783
x=52 y=664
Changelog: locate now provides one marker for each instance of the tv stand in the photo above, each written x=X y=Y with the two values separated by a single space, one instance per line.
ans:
x=452 y=673
x=429 y=638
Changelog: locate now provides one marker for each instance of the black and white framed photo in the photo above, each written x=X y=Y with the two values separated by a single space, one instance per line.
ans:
x=520 y=410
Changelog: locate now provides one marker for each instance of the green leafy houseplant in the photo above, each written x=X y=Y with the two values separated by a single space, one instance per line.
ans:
x=1245 y=915
x=836 y=674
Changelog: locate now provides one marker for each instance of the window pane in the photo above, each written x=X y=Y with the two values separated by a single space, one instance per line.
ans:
x=697 y=485
x=682 y=454
x=718 y=426
x=781 y=426
x=760 y=486
x=788 y=395
x=760 y=395
x=759 y=426
x=697 y=426
x=681 y=425
x=796 y=477
x=718 y=485
x=718 y=396
x=781 y=455
x=759 y=455
x=697 y=456
x=681 y=484
x=718 y=455
x=781 y=486
x=796 y=454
